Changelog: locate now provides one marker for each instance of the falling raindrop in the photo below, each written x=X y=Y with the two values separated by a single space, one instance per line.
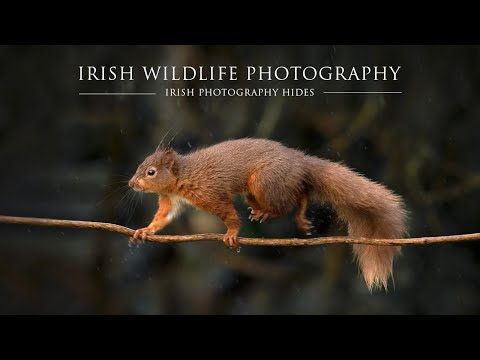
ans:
x=238 y=250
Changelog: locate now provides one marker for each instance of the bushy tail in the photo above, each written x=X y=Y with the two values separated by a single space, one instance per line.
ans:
x=369 y=209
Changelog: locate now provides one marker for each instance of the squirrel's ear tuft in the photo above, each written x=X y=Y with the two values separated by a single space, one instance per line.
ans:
x=161 y=147
x=168 y=159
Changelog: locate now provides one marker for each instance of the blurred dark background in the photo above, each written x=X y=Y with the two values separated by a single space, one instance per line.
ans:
x=67 y=156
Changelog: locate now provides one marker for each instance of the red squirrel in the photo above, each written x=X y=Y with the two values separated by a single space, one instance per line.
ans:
x=274 y=180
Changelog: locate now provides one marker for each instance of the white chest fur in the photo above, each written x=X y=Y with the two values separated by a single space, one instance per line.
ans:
x=178 y=203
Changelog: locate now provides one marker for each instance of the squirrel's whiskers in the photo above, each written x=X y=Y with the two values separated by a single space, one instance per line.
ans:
x=274 y=180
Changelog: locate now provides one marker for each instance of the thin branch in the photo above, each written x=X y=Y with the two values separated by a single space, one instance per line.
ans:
x=243 y=241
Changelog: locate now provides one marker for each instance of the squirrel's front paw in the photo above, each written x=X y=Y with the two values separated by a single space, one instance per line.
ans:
x=231 y=240
x=140 y=235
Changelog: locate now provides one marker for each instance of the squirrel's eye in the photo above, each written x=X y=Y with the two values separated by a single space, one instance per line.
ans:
x=151 y=172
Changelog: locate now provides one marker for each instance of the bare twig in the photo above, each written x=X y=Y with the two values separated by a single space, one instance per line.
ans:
x=244 y=241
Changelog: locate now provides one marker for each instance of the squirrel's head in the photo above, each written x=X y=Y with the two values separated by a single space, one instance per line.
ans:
x=156 y=173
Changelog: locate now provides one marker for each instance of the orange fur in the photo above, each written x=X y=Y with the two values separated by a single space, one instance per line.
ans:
x=274 y=180
x=369 y=209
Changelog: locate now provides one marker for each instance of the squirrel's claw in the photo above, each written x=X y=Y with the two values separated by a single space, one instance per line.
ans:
x=231 y=241
x=305 y=226
x=264 y=217
x=140 y=236
x=257 y=215
x=135 y=241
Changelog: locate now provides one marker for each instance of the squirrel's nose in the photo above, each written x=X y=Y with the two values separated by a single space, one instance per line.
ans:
x=130 y=183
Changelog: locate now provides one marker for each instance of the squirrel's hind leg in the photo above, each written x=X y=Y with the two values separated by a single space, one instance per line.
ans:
x=256 y=213
x=303 y=224
x=270 y=197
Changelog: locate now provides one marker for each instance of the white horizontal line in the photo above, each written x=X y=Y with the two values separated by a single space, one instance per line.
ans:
x=104 y=93
x=362 y=92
